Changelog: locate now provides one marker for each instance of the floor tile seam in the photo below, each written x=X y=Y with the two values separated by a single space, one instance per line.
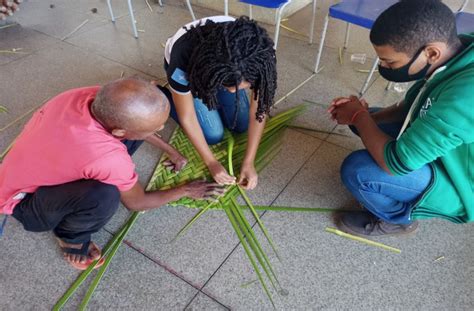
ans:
x=36 y=50
x=167 y=269
x=211 y=297
x=94 y=52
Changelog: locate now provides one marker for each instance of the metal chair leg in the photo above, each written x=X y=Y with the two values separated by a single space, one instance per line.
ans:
x=226 y=7
x=112 y=17
x=369 y=77
x=346 y=39
x=250 y=11
x=190 y=8
x=160 y=2
x=132 y=17
x=311 y=31
x=278 y=15
x=321 y=44
x=277 y=28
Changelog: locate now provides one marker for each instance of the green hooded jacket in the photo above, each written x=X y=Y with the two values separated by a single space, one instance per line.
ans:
x=441 y=134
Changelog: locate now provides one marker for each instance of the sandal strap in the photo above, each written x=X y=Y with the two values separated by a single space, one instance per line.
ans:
x=84 y=250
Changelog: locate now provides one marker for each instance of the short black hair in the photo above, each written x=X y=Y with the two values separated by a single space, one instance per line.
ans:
x=225 y=54
x=410 y=24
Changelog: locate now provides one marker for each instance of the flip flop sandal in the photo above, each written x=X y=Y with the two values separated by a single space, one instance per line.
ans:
x=84 y=250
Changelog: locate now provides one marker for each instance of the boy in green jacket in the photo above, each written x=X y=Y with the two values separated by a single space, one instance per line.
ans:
x=419 y=161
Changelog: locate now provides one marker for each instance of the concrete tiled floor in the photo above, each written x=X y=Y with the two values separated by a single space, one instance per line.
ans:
x=206 y=267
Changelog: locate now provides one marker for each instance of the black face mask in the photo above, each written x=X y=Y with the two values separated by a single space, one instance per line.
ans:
x=401 y=74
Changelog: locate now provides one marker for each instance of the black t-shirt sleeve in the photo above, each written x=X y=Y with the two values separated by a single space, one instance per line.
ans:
x=176 y=69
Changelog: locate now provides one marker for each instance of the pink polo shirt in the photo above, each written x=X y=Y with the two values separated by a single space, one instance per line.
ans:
x=62 y=143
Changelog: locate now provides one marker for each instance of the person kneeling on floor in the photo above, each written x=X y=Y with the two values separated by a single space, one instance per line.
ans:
x=71 y=165
x=422 y=167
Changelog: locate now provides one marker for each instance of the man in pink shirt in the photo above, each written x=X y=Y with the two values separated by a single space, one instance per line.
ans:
x=71 y=165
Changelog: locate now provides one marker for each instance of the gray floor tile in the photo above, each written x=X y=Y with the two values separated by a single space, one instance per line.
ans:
x=196 y=254
x=134 y=282
x=120 y=8
x=296 y=150
x=318 y=181
x=25 y=40
x=145 y=53
x=58 y=21
x=34 y=269
x=203 y=302
x=9 y=134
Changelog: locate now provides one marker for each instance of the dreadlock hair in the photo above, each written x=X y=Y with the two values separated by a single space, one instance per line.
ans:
x=226 y=54
x=410 y=24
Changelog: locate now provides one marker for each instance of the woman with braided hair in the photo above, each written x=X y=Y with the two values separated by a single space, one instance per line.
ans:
x=210 y=64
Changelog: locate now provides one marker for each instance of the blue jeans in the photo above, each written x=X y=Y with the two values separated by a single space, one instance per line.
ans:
x=390 y=198
x=213 y=122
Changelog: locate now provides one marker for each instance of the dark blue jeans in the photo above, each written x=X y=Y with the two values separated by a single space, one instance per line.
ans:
x=213 y=122
x=74 y=211
x=391 y=198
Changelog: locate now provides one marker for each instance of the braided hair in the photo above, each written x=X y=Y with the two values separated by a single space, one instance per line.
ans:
x=226 y=54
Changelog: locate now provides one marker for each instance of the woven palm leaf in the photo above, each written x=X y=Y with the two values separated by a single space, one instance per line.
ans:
x=270 y=144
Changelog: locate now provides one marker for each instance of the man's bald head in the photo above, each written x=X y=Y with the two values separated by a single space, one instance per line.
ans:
x=131 y=104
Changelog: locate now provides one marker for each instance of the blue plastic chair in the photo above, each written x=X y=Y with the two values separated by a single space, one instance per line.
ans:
x=464 y=20
x=278 y=5
x=362 y=13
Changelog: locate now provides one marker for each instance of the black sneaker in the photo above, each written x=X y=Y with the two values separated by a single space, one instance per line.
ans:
x=365 y=224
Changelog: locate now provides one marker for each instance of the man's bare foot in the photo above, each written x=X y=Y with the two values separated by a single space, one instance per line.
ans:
x=79 y=260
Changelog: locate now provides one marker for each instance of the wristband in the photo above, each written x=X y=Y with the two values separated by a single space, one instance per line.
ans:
x=354 y=116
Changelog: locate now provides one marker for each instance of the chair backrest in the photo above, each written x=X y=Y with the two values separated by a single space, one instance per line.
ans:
x=360 y=12
x=271 y=4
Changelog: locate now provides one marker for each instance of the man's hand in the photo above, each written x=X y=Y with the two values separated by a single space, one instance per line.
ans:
x=176 y=161
x=248 y=178
x=345 y=110
x=7 y=7
x=136 y=199
x=201 y=189
x=220 y=174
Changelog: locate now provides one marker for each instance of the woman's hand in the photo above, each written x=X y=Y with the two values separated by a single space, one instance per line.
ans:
x=248 y=178
x=220 y=174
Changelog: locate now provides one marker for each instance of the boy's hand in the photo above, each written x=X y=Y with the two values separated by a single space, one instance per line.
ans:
x=345 y=110
x=176 y=161
x=201 y=189
x=248 y=178
x=220 y=174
